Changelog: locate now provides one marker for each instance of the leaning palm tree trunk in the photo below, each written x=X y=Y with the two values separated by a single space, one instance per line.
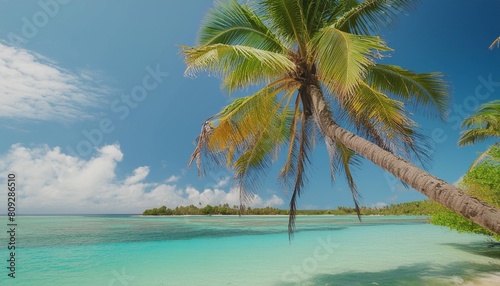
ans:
x=434 y=188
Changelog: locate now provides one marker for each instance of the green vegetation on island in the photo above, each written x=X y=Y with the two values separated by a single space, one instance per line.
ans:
x=425 y=207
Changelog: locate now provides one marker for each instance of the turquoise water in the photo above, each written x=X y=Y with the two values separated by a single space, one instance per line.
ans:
x=191 y=250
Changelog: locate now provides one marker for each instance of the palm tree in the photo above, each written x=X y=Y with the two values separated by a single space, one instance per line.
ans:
x=316 y=61
x=485 y=124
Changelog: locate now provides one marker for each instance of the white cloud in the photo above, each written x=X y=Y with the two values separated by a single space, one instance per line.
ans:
x=274 y=201
x=222 y=182
x=32 y=87
x=139 y=174
x=50 y=181
x=173 y=179
x=379 y=205
x=217 y=196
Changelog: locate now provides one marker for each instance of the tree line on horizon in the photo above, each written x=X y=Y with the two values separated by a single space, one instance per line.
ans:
x=425 y=207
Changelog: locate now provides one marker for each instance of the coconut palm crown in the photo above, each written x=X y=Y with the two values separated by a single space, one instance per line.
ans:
x=482 y=125
x=314 y=65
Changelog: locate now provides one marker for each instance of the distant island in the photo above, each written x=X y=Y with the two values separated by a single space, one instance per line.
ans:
x=425 y=207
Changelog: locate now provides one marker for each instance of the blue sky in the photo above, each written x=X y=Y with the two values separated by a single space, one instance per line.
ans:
x=96 y=115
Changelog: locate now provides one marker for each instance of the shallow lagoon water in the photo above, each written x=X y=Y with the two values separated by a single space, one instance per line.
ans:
x=248 y=250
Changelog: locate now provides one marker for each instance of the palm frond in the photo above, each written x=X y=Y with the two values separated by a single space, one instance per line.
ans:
x=472 y=136
x=239 y=66
x=496 y=42
x=224 y=135
x=488 y=121
x=371 y=15
x=384 y=121
x=288 y=170
x=232 y=23
x=201 y=148
x=317 y=13
x=247 y=134
x=346 y=158
x=286 y=18
x=343 y=58
x=377 y=107
x=256 y=157
x=242 y=119
x=250 y=166
x=304 y=148
x=415 y=147
x=342 y=158
x=426 y=92
x=484 y=124
x=485 y=155
x=342 y=7
x=489 y=108
x=371 y=131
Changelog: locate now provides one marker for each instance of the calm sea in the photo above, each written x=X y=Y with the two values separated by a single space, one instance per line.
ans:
x=215 y=250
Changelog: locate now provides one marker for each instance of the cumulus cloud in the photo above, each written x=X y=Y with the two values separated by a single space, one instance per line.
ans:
x=33 y=87
x=50 y=181
x=274 y=201
x=173 y=179
x=139 y=174
x=222 y=182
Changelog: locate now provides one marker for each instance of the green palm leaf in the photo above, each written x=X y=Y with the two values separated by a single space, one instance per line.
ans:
x=232 y=23
x=240 y=66
x=242 y=119
x=286 y=18
x=259 y=150
x=496 y=42
x=287 y=172
x=483 y=125
x=247 y=133
x=225 y=135
x=424 y=91
x=371 y=15
x=377 y=107
x=473 y=136
x=252 y=163
x=384 y=121
x=342 y=158
x=343 y=58
x=304 y=147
